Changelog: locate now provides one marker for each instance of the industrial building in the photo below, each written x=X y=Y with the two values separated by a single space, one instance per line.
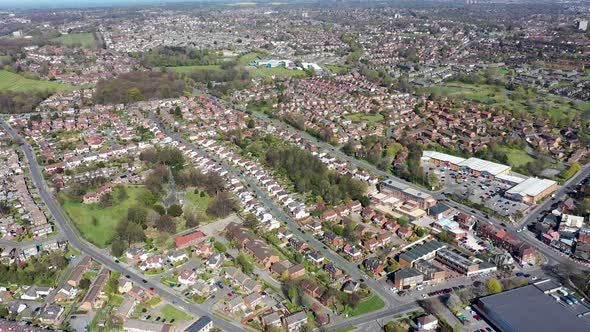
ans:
x=424 y=251
x=405 y=193
x=529 y=308
x=532 y=190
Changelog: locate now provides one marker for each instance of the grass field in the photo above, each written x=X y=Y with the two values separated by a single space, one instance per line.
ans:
x=101 y=234
x=276 y=72
x=517 y=157
x=15 y=82
x=85 y=39
x=336 y=69
x=246 y=58
x=371 y=304
x=364 y=117
x=496 y=96
x=188 y=69
x=169 y=312
x=195 y=203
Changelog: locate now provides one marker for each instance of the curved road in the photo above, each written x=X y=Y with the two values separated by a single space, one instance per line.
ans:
x=97 y=254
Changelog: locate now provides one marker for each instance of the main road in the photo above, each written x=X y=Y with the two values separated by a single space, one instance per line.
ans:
x=526 y=237
x=99 y=255
x=392 y=303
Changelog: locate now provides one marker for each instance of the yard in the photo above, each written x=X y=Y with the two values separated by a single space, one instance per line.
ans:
x=103 y=231
x=169 y=312
x=364 y=117
x=84 y=39
x=246 y=58
x=517 y=157
x=196 y=204
x=15 y=82
x=371 y=304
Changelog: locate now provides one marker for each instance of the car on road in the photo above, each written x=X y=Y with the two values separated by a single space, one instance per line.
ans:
x=144 y=281
x=230 y=294
x=152 y=289
x=117 y=261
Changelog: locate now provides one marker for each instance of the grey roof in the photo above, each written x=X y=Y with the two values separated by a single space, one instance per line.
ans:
x=408 y=272
x=529 y=309
x=199 y=324
x=438 y=208
x=417 y=252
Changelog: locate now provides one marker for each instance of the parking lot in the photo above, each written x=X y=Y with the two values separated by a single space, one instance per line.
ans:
x=478 y=190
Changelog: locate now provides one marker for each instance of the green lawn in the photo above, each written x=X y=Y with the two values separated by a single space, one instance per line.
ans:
x=85 y=39
x=517 y=157
x=246 y=58
x=101 y=234
x=371 y=304
x=169 y=312
x=364 y=117
x=276 y=72
x=15 y=82
x=336 y=69
x=189 y=69
x=195 y=203
x=497 y=96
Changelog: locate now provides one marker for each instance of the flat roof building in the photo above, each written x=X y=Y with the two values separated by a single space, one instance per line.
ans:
x=425 y=251
x=527 y=309
x=532 y=189
x=404 y=192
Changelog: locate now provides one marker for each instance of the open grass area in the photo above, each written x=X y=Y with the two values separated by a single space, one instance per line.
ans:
x=276 y=72
x=336 y=69
x=102 y=233
x=364 y=117
x=84 y=39
x=517 y=157
x=246 y=58
x=195 y=203
x=371 y=304
x=169 y=312
x=18 y=83
x=555 y=107
x=188 y=69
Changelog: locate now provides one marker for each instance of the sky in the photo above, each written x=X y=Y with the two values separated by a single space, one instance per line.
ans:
x=41 y=4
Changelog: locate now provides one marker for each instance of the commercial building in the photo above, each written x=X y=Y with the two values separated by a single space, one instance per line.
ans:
x=136 y=325
x=531 y=190
x=424 y=251
x=407 y=278
x=462 y=264
x=404 y=193
x=475 y=166
x=432 y=273
x=203 y=324
x=583 y=25
x=527 y=309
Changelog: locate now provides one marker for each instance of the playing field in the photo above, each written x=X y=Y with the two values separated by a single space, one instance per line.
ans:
x=15 y=82
x=371 y=304
x=188 y=69
x=276 y=72
x=107 y=218
x=364 y=117
x=85 y=39
x=517 y=157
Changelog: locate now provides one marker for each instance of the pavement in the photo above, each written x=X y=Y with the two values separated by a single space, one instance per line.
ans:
x=393 y=305
x=97 y=254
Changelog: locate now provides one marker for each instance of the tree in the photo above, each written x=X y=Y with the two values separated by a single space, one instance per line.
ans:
x=251 y=221
x=245 y=264
x=219 y=246
x=293 y=294
x=94 y=221
x=493 y=286
x=175 y=210
x=106 y=200
x=166 y=224
x=194 y=220
x=122 y=194
x=118 y=247
x=137 y=214
x=84 y=283
x=130 y=232
x=222 y=205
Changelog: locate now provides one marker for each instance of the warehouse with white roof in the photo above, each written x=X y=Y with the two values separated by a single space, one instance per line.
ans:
x=532 y=189
x=476 y=166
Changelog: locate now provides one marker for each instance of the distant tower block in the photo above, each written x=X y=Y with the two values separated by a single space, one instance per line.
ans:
x=304 y=15
x=583 y=25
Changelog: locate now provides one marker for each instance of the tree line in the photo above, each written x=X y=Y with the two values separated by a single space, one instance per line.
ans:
x=21 y=102
x=137 y=86
x=309 y=174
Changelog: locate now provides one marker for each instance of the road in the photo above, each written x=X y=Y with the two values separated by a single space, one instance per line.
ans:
x=349 y=267
x=97 y=254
